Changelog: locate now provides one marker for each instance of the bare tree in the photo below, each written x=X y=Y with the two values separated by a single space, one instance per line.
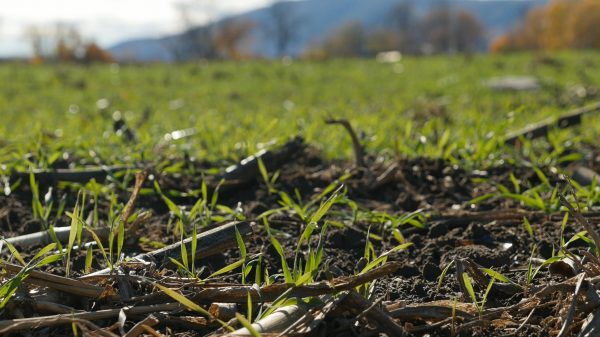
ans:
x=229 y=36
x=197 y=38
x=402 y=22
x=283 y=26
x=348 y=40
x=445 y=30
x=57 y=42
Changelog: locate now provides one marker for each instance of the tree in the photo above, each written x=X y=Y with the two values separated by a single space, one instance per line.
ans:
x=559 y=24
x=34 y=35
x=283 y=26
x=349 y=40
x=229 y=36
x=445 y=30
x=63 y=43
x=401 y=23
x=68 y=43
x=93 y=53
x=197 y=39
x=583 y=25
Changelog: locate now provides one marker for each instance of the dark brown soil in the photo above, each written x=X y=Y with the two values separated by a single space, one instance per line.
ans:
x=440 y=190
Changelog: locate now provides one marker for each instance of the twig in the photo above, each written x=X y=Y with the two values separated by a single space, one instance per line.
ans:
x=54 y=308
x=130 y=206
x=248 y=168
x=67 y=285
x=525 y=321
x=427 y=311
x=357 y=304
x=359 y=151
x=364 y=313
x=44 y=321
x=239 y=294
x=138 y=329
x=386 y=177
x=591 y=324
x=209 y=243
x=566 y=327
x=210 y=293
x=314 y=316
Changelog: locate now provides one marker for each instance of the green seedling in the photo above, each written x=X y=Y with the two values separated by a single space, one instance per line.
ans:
x=269 y=181
x=480 y=305
x=40 y=259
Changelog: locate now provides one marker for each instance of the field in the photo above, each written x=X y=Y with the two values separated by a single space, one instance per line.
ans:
x=247 y=177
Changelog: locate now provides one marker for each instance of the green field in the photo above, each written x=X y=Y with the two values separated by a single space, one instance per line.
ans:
x=236 y=107
x=441 y=206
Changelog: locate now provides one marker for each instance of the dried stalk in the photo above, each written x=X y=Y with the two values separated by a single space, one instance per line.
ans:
x=62 y=234
x=66 y=285
x=248 y=169
x=130 y=206
x=278 y=321
x=239 y=294
x=223 y=311
x=566 y=327
x=359 y=151
x=358 y=305
x=540 y=129
x=44 y=321
x=209 y=243
x=428 y=311
x=138 y=329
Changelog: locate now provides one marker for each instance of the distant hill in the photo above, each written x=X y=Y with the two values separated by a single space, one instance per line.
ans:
x=320 y=17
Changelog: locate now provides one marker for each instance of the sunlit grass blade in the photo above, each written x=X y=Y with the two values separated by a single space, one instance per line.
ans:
x=89 y=256
x=469 y=287
x=100 y=246
x=49 y=259
x=240 y=243
x=246 y=324
x=528 y=227
x=120 y=238
x=15 y=253
x=383 y=257
x=44 y=251
x=72 y=237
x=249 y=306
x=189 y=304
x=496 y=275
x=227 y=268
x=443 y=274
x=286 y=270
x=324 y=207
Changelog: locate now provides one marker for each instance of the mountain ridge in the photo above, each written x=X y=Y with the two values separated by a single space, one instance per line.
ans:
x=320 y=17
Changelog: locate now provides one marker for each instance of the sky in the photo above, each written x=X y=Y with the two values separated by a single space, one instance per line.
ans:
x=105 y=21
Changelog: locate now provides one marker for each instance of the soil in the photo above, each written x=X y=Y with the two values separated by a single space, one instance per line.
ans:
x=454 y=230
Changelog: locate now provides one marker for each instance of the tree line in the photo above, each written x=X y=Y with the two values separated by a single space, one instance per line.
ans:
x=63 y=43
x=445 y=29
x=561 y=24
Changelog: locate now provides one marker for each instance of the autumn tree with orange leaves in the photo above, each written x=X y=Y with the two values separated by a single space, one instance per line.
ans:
x=558 y=25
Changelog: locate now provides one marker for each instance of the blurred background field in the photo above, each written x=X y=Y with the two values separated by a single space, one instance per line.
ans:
x=405 y=107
